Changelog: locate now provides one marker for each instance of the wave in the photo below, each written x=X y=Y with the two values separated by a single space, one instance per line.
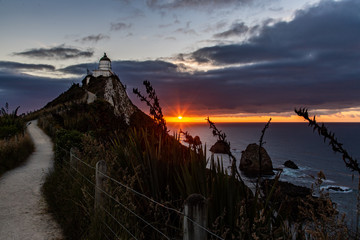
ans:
x=336 y=189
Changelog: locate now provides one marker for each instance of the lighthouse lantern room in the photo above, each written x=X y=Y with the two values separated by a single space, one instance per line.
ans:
x=104 y=67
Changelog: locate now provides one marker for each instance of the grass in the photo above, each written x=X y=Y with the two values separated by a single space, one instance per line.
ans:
x=15 y=144
x=150 y=161
x=14 y=151
x=168 y=172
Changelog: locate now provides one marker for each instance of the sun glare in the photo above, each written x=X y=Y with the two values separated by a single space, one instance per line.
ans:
x=179 y=117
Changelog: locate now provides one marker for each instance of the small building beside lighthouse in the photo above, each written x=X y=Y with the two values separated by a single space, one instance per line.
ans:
x=104 y=68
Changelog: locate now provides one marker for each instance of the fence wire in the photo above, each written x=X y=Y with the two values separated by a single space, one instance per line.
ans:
x=128 y=231
x=91 y=195
x=162 y=205
x=139 y=194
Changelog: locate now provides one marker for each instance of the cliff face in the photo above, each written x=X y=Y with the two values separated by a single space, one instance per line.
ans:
x=108 y=89
x=111 y=90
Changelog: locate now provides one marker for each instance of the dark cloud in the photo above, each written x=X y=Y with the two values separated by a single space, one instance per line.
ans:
x=58 y=53
x=79 y=69
x=136 y=70
x=236 y=29
x=120 y=26
x=14 y=66
x=326 y=29
x=30 y=93
x=93 y=38
x=235 y=54
x=312 y=61
x=271 y=87
x=163 y=4
x=241 y=29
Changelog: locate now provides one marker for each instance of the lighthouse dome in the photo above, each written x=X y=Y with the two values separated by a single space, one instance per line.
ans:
x=105 y=63
x=104 y=67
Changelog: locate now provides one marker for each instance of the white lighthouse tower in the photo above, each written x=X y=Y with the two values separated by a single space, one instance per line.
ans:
x=104 y=67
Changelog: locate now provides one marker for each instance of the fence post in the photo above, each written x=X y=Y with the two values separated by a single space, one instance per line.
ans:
x=100 y=167
x=196 y=209
x=73 y=159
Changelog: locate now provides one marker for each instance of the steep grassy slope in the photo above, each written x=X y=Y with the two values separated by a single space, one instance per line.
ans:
x=142 y=155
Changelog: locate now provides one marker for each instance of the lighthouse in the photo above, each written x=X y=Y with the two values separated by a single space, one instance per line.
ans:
x=104 y=68
x=102 y=83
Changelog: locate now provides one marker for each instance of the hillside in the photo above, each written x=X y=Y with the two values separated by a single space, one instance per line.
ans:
x=150 y=176
x=100 y=105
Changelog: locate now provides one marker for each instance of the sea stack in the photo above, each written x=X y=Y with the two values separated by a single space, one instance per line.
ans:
x=250 y=163
x=220 y=147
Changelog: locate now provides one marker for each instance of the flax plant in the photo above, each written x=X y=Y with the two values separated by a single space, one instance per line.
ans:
x=337 y=147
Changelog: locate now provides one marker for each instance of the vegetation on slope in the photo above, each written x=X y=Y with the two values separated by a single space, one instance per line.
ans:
x=15 y=144
x=74 y=93
x=145 y=158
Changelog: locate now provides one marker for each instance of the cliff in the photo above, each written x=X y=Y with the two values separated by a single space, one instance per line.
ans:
x=112 y=91
x=108 y=89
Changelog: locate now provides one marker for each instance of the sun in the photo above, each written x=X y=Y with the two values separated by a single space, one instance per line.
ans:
x=180 y=117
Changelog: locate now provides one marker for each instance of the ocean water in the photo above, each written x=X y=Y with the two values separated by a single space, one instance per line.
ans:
x=296 y=142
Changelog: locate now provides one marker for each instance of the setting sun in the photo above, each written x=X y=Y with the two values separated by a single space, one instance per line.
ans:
x=179 y=117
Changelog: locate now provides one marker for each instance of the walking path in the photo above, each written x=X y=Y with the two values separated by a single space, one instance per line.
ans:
x=23 y=210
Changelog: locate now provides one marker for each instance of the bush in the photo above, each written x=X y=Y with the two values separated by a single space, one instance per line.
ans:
x=14 y=151
x=10 y=123
x=15 y=145
x=150 y=161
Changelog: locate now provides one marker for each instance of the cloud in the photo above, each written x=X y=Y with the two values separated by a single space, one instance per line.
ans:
x=277 y=9
x=120 y=26
x=238 y=54
x=79 y=69
x=60 y=52
x=93 y=38
x=186 y=31
x=30 y=93
x=236 y=29
x=14 y=66
x=311 y=61
x=164 y=4
x=321 y=31
x=137 y=70
x=215 y=27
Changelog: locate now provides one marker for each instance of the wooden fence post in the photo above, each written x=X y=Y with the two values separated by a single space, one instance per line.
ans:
x=99 y=195
x=196 y=209
x=73 y=159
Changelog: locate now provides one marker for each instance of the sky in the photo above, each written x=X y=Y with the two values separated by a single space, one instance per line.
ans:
x=232 y=60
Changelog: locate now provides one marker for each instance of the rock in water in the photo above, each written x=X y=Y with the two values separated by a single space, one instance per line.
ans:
x=220 y=147
x=250 y=164
x=290 y=164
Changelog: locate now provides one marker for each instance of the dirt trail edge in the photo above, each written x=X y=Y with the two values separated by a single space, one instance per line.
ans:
x=23 y=210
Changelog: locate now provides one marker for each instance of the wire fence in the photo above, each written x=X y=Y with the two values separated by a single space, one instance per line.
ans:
x=115 y=200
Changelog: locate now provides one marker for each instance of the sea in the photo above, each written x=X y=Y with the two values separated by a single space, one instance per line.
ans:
x=296 y=142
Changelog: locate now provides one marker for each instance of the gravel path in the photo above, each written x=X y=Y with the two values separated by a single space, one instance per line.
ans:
x=23 y=210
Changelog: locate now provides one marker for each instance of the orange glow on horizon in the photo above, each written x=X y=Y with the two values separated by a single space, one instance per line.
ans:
x=292 y=118
x=180 y=114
